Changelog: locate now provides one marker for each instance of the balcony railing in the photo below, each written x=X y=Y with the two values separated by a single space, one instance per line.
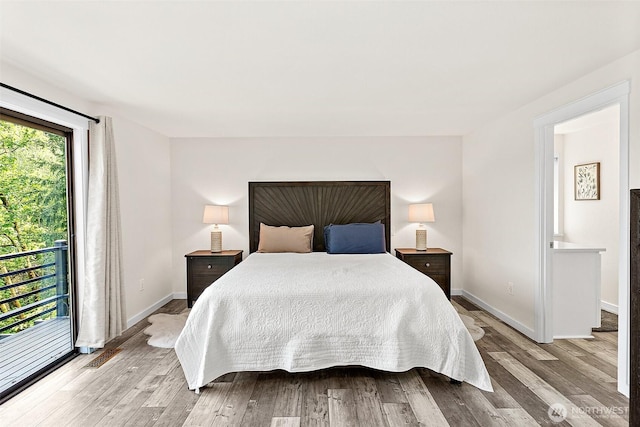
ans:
x=41 y=291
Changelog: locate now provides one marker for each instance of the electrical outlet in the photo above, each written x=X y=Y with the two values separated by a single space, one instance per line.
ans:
x=141 y=283
x=510 y=288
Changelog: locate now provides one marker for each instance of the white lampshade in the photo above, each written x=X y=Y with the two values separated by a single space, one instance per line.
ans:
x=215 y=214
x=422 y=212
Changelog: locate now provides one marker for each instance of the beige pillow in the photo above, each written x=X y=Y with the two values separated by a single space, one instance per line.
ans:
x=285 y=239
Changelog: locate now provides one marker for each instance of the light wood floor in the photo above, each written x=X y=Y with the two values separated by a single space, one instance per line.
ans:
x=145 y=386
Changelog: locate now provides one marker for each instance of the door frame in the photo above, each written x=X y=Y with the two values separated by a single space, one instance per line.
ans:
x=29 y=106
x=36 y=123
x=544 y=136
x=24 y=104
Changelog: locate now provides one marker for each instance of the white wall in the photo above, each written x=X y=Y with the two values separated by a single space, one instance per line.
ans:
x=559 y=187
x=595 y=222
x=19 y=79
x=144 y=175
x=217 y=171
x=499 y=225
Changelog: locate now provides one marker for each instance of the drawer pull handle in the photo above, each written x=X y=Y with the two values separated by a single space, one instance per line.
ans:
x=427 y=265
x=209 y=266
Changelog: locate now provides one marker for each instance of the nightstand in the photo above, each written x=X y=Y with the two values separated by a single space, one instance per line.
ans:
x=205 y=267
x=434 y=262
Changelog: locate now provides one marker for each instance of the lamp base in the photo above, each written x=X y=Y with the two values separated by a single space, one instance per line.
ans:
x=216 y=241
x=421 y=239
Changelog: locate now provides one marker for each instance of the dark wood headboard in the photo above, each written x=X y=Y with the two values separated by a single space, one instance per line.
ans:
x=296 y=203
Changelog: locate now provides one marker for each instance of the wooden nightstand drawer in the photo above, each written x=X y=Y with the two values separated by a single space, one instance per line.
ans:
x=434 y=262
x=205 y=267
x=429 y=264
x=209 y=266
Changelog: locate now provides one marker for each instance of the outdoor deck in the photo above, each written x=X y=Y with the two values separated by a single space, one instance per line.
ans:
x=26 y=352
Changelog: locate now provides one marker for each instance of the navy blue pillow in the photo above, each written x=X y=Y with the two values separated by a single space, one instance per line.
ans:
x=356 y=238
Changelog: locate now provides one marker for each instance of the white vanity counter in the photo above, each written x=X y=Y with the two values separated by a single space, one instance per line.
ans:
x=574 y=247
x=576 y=289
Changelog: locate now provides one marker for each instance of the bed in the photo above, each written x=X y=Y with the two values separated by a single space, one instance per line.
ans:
x=307 y=311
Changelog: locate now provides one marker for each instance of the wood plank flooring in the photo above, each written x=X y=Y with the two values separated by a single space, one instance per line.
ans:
x=145 y=386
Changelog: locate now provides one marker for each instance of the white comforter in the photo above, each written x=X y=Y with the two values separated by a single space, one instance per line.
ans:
x=302 y=312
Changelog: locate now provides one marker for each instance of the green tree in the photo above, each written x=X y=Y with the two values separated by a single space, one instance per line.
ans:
x=33 y=204
x=33 y=210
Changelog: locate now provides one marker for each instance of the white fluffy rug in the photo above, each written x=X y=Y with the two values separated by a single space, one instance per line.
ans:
x=165 y=328
x=476 y=331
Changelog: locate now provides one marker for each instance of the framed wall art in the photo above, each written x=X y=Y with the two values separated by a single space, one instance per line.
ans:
x=586 y=179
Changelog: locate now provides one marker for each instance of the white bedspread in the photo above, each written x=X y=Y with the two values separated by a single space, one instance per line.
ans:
x=303 y=312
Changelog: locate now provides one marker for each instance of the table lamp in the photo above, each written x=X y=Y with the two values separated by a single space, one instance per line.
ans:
x=216 y=215
x=421 y=213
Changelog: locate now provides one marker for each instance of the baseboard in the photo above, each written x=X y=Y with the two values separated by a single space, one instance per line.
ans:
x=456 y=291
x=573 y=337
x=607 y=306
x=153 y=307
x=147 y=311
x=500 y=315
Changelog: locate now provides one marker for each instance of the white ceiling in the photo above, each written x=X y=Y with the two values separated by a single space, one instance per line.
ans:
x=319 y=68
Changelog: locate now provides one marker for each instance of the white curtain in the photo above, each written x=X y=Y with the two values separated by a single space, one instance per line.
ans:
x=102 y=315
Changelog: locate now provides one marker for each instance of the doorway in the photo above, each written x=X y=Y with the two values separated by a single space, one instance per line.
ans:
x=36 y=249
x=591 y=141
x=544 y=136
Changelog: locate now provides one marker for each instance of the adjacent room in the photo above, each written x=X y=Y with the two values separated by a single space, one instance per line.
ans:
x=337 y=213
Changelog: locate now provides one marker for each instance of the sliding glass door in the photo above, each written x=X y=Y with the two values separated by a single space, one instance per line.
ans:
x=36 y=249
